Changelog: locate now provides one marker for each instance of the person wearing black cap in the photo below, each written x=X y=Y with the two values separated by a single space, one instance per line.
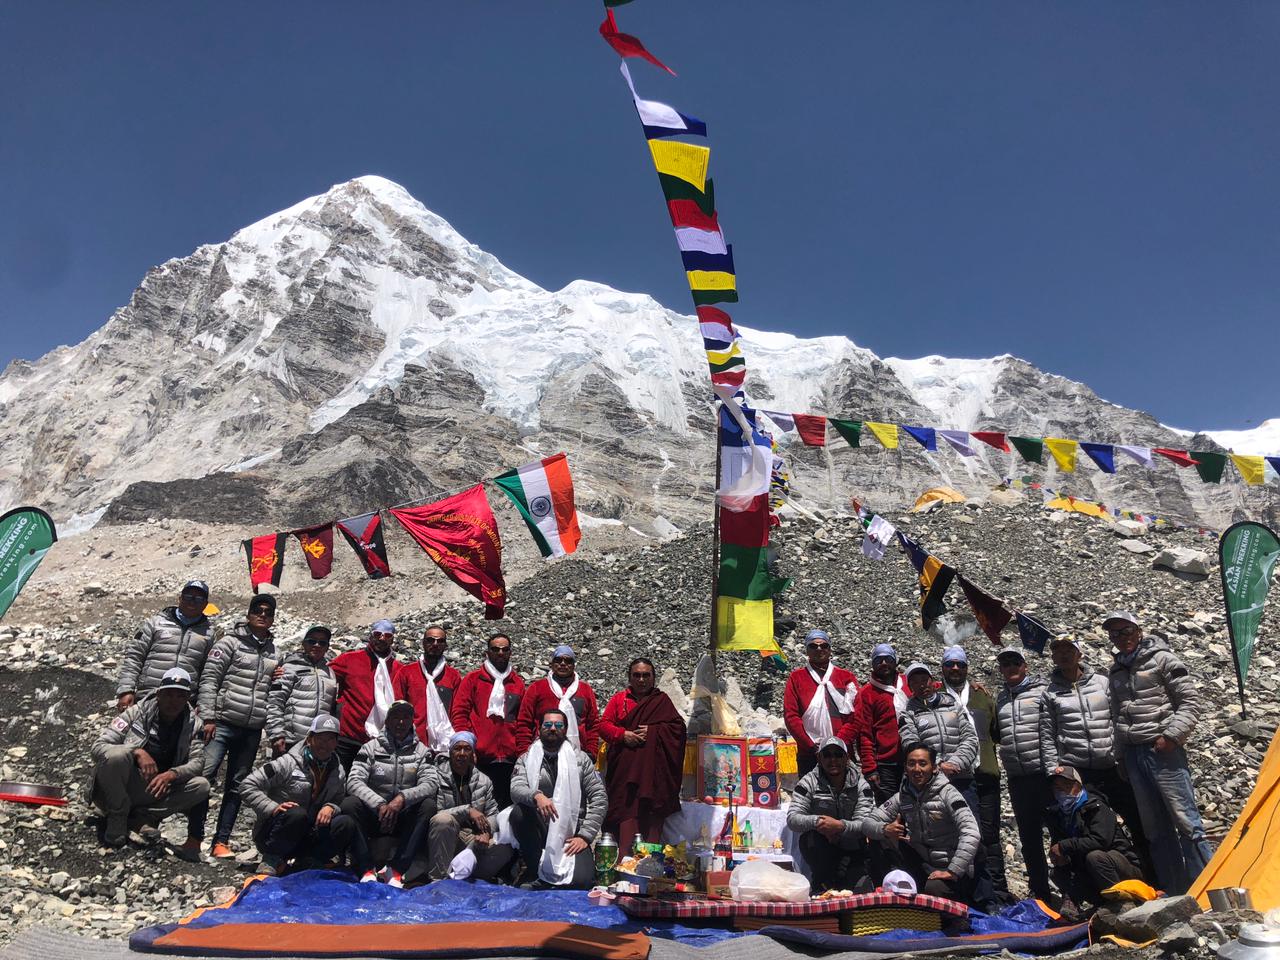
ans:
x=1091 y=850
x=233 y=706
x=303 y=688
x=178 y=636
x=828 y=807
x=147 y=765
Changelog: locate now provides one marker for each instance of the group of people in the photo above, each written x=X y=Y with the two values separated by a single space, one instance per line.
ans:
x=1095 y=757
x=409 y=770
x=413 y=771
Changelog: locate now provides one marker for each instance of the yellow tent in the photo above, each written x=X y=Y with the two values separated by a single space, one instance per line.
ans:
x=1250 y=855
x=1078 y=506
x=945 y=494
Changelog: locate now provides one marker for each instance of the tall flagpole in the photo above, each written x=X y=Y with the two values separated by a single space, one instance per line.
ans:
x=715 y=535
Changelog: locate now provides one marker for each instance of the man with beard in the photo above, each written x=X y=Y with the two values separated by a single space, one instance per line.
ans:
x=645 y=762
x=430 y=685
x=563 y=690
x=487 y=704
x=465 y=818
x=177 y=636
x=1018 y=724
x=828 y=808
x=559 y=804
x=303 y=689
x=875 y=720
x=366 y=688
x=817 y=702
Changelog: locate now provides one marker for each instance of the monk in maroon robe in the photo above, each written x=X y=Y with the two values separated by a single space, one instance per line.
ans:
x=645 y=761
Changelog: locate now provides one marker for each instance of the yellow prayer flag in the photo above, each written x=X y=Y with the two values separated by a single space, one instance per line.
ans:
x=724 y=356
x=1064 y=451
x=711 y=280
x=1253 y=469
x=886 y=433
x=745 y=625
x=687 y=161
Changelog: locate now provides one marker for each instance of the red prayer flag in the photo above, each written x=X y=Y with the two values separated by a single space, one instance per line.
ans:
x=461 y=535
x=1180 y=457
x=317 y=547
x=993 y=438
x=266 y=559
x=625 y=45
x=812 y=429
x=686 y=213
x=747 y=528
x=991 y=614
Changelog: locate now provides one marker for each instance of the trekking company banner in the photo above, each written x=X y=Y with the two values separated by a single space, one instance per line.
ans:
x=1247 y=555
x=26 y=534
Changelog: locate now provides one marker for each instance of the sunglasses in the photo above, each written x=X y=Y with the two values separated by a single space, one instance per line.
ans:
x=553 y=724
x=262 y=612
x=819 y=646
x=1122 y=631
x=563 y=660
x=194 y=598
x=499 y=649
x=315 y=642
x=381 y=635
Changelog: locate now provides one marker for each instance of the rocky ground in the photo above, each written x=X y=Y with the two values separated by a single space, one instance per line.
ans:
x=620 y=596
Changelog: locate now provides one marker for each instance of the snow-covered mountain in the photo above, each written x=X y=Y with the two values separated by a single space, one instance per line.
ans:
x=354 y=351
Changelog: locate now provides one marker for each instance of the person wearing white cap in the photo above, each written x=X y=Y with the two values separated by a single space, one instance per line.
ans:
x=1018 y=724
x=366 y=688
x=828 y=807
x=298 y=799
x=880 y=702
x=147 y=764
x=465 y=818
x=1155 y=703
x=177 y=636
x=818 y=701
x=487 y=704
x=561 y=689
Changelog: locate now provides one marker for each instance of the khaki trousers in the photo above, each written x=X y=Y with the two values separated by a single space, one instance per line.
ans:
x=121 y=792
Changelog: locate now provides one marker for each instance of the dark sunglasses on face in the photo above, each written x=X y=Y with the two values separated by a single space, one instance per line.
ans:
x=553 y=724
x=379 y=635
x=263 y=612
x=499 y=649
x=316 y=642
x=1121 y=631
x=568 y=660
x=819 y=646
x=193 y=598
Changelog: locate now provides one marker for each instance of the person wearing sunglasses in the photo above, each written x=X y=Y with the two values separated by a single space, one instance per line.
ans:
x=1155 y=703
x=561 y=689
x=430 y=685
x=558 y=808
x=366 y=689
x=304 y=688
x=177 y=636
x=487 y=704
x=817 y=702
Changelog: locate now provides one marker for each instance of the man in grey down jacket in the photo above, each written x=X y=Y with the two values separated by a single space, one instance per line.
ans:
x=465 y=818
x=304 y=689
x=175 y=637
x=1018 y=723
x=828 y=807
x=233 y=705
x=1155 y=703
x=298 y=800
x=558 y=803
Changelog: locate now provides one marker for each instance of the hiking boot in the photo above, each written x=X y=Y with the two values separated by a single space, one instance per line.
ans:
x=116 y=831
x=149 y=835
x=269 y=866
x=189 y=850
x=1069 y=911
x=220 y=851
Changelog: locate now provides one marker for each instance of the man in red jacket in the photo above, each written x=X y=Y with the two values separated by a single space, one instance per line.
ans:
x=366 y=689
x=818 y=700
x=430 y=685
x=562 y=690
x=487 y=704
x=875 y=720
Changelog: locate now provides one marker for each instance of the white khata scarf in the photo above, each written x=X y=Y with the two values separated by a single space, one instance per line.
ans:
x=556 y=867
x=439 y=729
x=498 y=695
x=817 y=719
x=962 y=694
x=899 y=698
x=566 y=704
x=383 y=697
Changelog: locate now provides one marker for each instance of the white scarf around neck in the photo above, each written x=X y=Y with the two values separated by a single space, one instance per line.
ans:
x=383 y=697
x=556 y=867
x=498 y=695
x=961 y=695
x=899 y=696
x=439 y=729
x=566 y=704
x=817 y=718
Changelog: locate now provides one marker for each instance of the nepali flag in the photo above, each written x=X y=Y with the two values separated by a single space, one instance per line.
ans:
x=317 y=547
x=266 y=559
x=461 y=535
x=364 y=533
x=543 y=493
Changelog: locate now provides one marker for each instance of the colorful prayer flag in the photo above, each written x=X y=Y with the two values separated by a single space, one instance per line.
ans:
x=1103 y=454
x=851 y=430
x=744 y=588
x=687 y=214
x=317 y=547
x=266 y=559
x=1064 y=453
x=675 y=189
x=784 y=421
x=660 y=120
x=716 y=324
x=364 y=533
x=934 y=576
x=625 y=45
x=1141 y=454
x=461 y=535
x=926 y=436
x=886 y=433
x=691 y=239
x=1180 y=457
x=1032 y=632
x=543 y=493
x=716 y=280
x=1275 y=463
x=992 y=438
x=746 y=457
x=812 y=429
x=959 y=440
x=1253 y=469
x=991 y=614
x=1210 y=466
x=687 y=161
x=1031 y=448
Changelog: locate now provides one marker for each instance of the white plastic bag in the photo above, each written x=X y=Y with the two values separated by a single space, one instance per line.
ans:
x=760 y=880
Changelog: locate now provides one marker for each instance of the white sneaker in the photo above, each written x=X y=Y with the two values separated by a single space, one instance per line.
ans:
x=369 y=877
x=394 y=879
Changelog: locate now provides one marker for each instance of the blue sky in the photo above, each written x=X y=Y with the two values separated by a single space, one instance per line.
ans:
x=1093 y=186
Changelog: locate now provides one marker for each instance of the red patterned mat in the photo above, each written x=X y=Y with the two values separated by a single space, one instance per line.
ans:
x=652 y=908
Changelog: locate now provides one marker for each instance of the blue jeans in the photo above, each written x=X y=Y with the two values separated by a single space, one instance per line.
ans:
x=239 y=746
x=1167 y=803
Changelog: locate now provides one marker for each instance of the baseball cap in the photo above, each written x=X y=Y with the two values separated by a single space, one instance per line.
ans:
x=263 y=600
x=1011 y=652
x=954 y=655
x=813 y=635
x=834 y=742
x=317 y=628
x=399 y=705
x=1065 y=638
x=197 y=585
x=884 y=650
x=383 y=626
x=918 y=666
x=1126 y=615
x=325 y=724
x=1067 y=773
x=898 y=881
x=564 y=650
x=175 y=678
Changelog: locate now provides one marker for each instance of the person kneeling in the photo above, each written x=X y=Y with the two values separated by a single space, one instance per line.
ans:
x=147 y=764
x=936 y=831
x=461 y=835
x=558 y=805
x=298 y=799
x=1091 y=850
x=828 y=807
x=390 y=778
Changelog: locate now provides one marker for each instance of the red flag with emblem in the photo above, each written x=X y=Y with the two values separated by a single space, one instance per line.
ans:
x=266 y=559
x=364 y=533
x=317 y=547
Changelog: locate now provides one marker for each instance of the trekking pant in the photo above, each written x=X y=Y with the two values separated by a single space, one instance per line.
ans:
x=347 y=750
x=1119 y=796
x=371 y=847
x=118 y=788
x=987 y=787
x=1084 y=878
x=1029 y=795
x=499 y=771
x=294 y=835
x=834 y=867
x=984 y=893
x=1167 y=804
x=239 y=746
x=446 y=838
x=959 y=889
x=890 y=776
x=531 y=834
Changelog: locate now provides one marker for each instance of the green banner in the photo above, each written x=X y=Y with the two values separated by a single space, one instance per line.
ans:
x=1247 y=555
x=26 y=534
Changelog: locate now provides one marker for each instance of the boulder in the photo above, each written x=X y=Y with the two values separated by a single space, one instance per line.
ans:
x=1178 y=939
x=1149 y=920
x=1137 y=546
x=1183 y=560
x=1130 y=528
x=1005 y=497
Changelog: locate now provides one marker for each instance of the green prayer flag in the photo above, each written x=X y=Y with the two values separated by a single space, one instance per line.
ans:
x=673 y=188
x=702 y=298
x=1031 y=448
x=1210 y=465
x=851 y=430
x=744 y=573
x=1247 y=555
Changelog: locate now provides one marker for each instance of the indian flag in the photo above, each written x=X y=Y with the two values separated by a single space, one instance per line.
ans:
x=543 y=493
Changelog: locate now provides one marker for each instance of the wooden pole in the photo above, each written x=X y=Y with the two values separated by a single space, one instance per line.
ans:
x=715 y=533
